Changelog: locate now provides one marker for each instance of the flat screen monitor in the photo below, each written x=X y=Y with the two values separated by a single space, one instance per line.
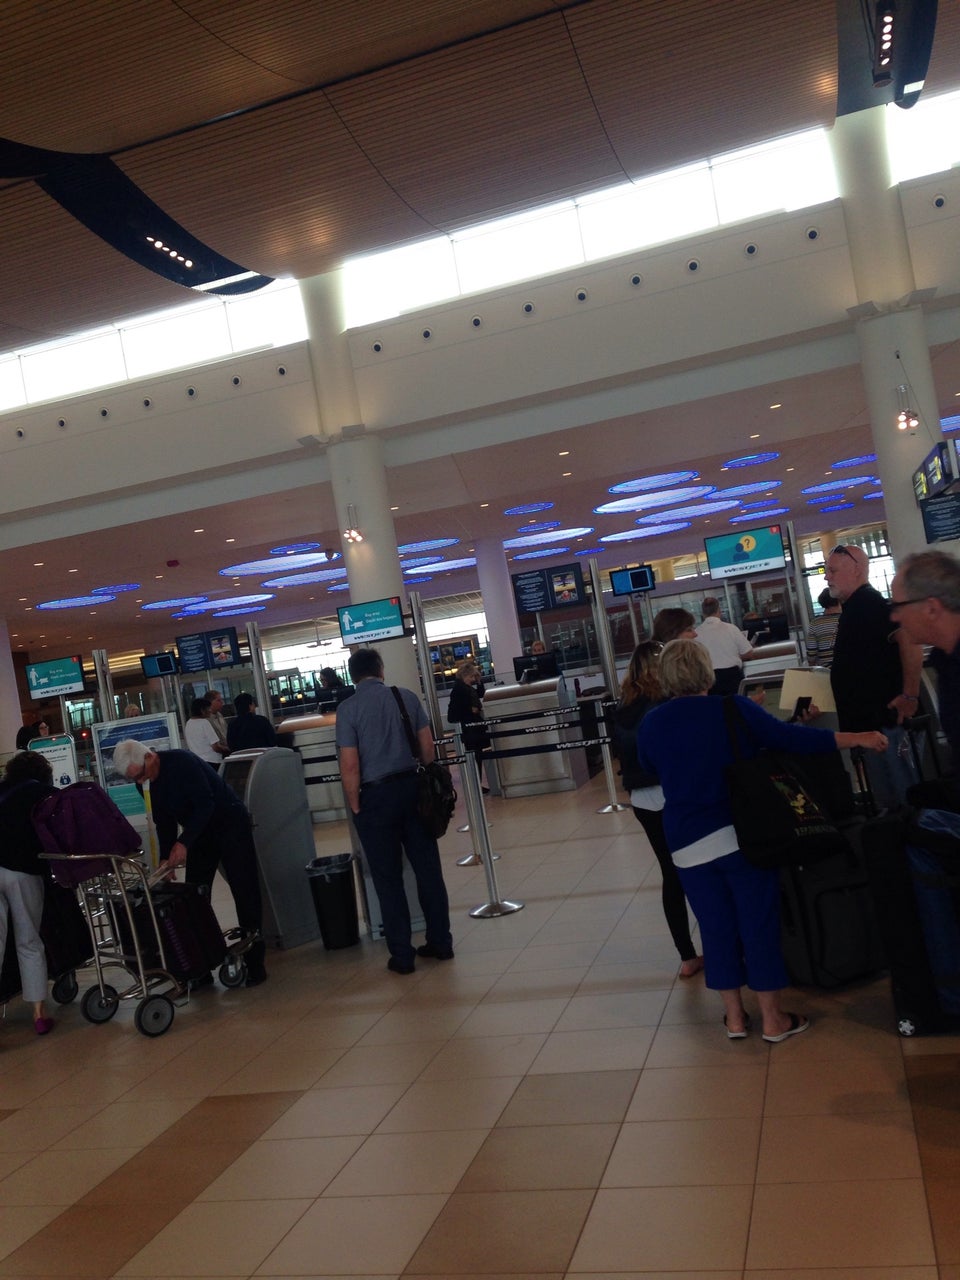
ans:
x=737 y=555
x=935 y=474
x=462 y=650
x=372 y=621
x=208 y=650
x=535 y=666
x=627 y=582
x=56 y=677
x=158 y=664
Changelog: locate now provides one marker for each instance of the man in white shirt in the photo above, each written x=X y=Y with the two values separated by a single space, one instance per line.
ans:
x=726 y=645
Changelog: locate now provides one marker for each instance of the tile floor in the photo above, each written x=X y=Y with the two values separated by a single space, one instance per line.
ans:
x=553 y=1103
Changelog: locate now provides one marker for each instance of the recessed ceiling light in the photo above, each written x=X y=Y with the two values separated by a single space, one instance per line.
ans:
x=229 y=539
x=394 y=508
x=38 y=564
x=564 y=453
x=198 y=531
x=776 y=406
x=567 y=473
x=73 y=571
x=791 y=468
x=755 y=436
x=484 y=504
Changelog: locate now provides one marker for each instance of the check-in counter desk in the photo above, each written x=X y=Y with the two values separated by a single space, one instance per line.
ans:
x=314 y=738
x=535 y=774
x=770 y=658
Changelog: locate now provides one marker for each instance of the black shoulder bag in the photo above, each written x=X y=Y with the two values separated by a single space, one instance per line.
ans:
x=778 y=810
x=436 y=795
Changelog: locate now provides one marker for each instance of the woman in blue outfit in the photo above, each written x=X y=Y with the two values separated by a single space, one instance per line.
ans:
x=684 y=742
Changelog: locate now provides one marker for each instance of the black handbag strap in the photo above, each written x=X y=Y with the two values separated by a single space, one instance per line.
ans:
x=736 y=720
x=404 y=715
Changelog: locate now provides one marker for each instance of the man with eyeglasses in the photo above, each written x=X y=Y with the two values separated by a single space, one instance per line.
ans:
x=201 y=825
x=875 y=675
x=925 y=604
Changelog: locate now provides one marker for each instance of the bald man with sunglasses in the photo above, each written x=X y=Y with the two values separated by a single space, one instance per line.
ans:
x=875 y=673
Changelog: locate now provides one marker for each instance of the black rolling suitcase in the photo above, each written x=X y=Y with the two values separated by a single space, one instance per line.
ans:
x=829 y=929
x=193 y=942
x=915 y=881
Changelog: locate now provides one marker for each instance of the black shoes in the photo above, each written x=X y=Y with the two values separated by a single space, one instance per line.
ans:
x=398 y=966
x=435 y=953
x=198 y=984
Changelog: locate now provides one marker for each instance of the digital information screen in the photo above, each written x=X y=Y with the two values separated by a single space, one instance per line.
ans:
x=375 y=620
x=536 y=590
x=53 y=678
x=207 y=650
x=734 y=555
x=627 y=582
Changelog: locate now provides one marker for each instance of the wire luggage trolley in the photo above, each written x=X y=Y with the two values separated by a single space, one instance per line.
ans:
x=114 y=894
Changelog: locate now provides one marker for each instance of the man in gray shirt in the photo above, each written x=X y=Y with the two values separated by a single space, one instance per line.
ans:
x=379 y=783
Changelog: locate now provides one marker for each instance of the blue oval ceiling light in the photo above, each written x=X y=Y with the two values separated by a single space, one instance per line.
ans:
x=631 y=535
x=293 y=548
x=232 y=602
x=304 y=579
x=249 y=567
x=654 y=482
x=589 y=551
x=339 y=586
x=692 y=513
x=750 y=460
x=862 y=460
x=752 y=518
x=445 y=566
x=538 y=555
x=74 y=602
x=873 y=494
x=832 y=486
x=663 y=498
x=536 y=539
x=421 y=577
x=744 y=490
x=529 y=509
x=235 y=613
x=539 y=527
x=838 y=506
x=179 y=602
x=115 y=590
x=430 y=544
x=950 y=424
x=758 y=506
x=419 y=561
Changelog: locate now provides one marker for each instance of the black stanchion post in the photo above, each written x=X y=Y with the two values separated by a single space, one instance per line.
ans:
x=613 y=805
x=470 y=777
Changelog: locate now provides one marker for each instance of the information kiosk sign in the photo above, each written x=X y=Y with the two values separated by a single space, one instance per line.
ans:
x=536 y=590
x=59 y=676
x=375 y=620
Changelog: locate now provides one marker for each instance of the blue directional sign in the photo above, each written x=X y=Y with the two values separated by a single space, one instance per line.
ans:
x=50 y=679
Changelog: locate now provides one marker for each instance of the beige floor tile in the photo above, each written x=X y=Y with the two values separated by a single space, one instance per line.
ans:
x=216 y=1239
x=408 y=1163
x=503 y=1232
x=575 y=1097
x=375 y=1234
x=272 y=1169
x=368 y=1064
x=696 y=1093
x=719 y=1151
x=20 y=1224
x=279 y=1070
x=691 y=1229
x=536 y=984
x=60 y=1177
x=556 y=955
x=323 y=1113
x=408 y=1023
x=532 y=1157
x=610 y=1049
x=512 y=1017
x=40 y=1125
x=125 y=1124
x=856 y=1224
x=819 y=1148
x=705 y=1045
x=847 y=1273
x=626 y=1009
x=832 y=1087
x=430 y=1105
x=469 y=1058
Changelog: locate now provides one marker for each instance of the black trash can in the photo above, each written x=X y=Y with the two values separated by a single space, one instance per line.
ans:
x=335 y=900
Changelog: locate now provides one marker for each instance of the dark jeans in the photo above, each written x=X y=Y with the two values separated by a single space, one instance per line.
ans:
x=389 y=827
x=674 y=899
x=231 y=847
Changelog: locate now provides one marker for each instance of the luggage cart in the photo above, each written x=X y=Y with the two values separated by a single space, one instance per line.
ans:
x=108 y=887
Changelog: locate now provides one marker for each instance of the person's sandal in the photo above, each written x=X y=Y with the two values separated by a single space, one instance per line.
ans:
x=738 y=1035
x=798 y=1023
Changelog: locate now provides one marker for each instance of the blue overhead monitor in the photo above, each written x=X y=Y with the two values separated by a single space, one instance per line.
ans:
x=627 y=582
x=370 y=622
x=737 y=555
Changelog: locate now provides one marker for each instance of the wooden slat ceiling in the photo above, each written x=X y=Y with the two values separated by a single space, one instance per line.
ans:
x=292 y=134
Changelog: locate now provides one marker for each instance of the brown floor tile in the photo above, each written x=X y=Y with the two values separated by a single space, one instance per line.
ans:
x=535 y=1157
x=244 y=1118
x=174 y=1176
x=575 y=1097
x=943 y=1197
x=506 y=1232
x=87 y=1242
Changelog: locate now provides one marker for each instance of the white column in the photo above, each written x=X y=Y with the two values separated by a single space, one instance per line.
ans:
x=498 y=606
x=10 y=718
x=894 y=347
x=373 y=567
x=337 y=401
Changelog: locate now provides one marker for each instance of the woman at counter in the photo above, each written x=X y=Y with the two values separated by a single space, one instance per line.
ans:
x=466 y=709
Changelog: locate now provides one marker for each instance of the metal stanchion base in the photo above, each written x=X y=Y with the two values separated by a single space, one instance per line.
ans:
x=466 y=827
x=491 y=909
x=613 y=808
x=471 y=860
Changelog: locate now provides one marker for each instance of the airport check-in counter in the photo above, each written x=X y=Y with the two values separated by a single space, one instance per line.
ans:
x=269 y=781
x=771 y=658
x=313 y=737
x=540 y=773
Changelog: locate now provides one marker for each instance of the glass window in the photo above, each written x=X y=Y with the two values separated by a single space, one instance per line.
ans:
x=664 y=208
x=176 y=339
x=96 y=360
x=272 y=317
x=925 y=139
x=789 y=174
x=12 y=392
x=385 y=284
x=518 y=248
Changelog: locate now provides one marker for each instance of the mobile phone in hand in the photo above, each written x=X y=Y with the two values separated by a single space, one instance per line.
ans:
x=801 y=708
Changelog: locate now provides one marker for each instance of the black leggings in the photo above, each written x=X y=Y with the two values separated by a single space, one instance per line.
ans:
x=674 y=901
